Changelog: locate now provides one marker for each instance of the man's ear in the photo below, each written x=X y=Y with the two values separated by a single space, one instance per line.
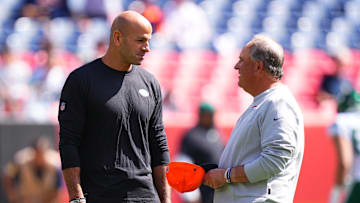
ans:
x=117 y=38
x=259 y=66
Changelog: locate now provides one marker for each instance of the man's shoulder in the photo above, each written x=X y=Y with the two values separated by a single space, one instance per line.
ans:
x=282 y=94
x=192 y=130
x=196 y=132
x=84 y=70
x=145 y=73
x=87 y=66
x=283 y=100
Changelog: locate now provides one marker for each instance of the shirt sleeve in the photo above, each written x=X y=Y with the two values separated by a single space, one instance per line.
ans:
x=342 y=127
x=279 y=145
x=71 y=118
x=158 y=144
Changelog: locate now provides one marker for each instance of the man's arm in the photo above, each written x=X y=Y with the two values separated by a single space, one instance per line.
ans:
x=72 y=180
x=72 y=116
x=161 y=184
x=344 y=154
x=279 y=144
x=282 y=140
x=215 y=178
x=159 y=150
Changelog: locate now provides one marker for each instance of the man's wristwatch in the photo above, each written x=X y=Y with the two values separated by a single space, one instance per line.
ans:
x=78 y=200
x=227 y=175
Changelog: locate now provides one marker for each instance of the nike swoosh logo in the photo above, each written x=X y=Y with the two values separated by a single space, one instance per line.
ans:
x=275 y=119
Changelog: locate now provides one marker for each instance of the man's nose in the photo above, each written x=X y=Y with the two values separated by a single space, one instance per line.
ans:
x=146 y=48
x=236 y=67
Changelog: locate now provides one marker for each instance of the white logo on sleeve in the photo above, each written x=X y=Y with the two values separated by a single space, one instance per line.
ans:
x=144 y=92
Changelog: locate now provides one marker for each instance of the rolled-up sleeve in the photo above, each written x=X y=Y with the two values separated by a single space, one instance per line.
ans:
x=72 y=115
x=279 y=143
x=158 y=143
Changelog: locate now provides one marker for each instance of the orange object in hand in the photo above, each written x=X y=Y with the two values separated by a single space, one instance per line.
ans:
x=184 y=177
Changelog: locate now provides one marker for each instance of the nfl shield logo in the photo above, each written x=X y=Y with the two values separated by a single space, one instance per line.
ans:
x=62 y=106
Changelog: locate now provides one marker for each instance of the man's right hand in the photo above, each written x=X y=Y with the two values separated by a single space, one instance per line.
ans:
x=215 y=178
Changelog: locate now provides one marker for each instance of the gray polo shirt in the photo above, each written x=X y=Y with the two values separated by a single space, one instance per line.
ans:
x=268 y=139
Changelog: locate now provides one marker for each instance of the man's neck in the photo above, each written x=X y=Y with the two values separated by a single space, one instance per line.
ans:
x=263 y=86
x=115 y=63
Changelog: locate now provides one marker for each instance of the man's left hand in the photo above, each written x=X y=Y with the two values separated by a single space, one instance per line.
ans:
x=215 y=178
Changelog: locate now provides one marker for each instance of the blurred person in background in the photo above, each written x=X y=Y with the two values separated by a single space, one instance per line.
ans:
x=202 y=144
x=3 y=89
x=154 y=14
x=261 y=161
x=55 y=76
x=336 y=86
x=101 y=47
x=34 y=175
x=14 y=77
x=345 y=131
x=113 y=145
x=49 y=74
x=95 y=9
x=190 y=18
x=169 y=103
x=45 y=9
x=41 y=65
x=150 y=11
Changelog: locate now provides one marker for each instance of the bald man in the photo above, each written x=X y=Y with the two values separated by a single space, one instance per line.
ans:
x=262 y=159
x=112 y=142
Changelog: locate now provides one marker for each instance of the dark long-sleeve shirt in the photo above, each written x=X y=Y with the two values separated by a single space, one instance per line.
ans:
x=111 y=127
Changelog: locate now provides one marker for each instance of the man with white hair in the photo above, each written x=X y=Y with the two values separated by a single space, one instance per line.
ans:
x=262 y=159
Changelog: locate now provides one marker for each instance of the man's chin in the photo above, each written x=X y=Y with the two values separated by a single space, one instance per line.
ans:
x=137 y=63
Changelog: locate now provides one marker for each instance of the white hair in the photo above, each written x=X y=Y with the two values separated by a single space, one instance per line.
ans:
x=268 y=51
